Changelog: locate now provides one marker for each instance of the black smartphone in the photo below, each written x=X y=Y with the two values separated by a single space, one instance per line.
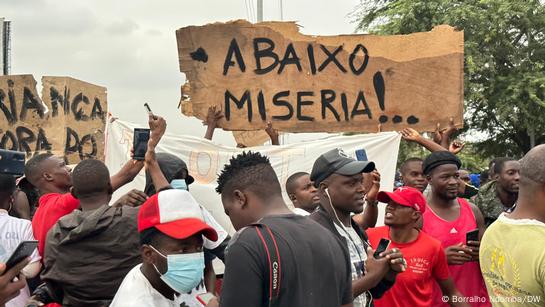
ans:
x=472 y=235
x=382 y=246
x=12 y=162
x=140 y=143
x=23 y=250
x=469 y=191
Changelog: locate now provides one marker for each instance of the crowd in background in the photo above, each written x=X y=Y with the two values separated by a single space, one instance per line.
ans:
x=449 y=237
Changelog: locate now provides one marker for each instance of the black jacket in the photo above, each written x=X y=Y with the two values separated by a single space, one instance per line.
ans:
x=323 y=218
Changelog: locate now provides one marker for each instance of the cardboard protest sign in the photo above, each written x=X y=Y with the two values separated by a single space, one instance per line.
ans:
x=69 y=119
x=83 y=107
x=270 y=71
x=23 y=115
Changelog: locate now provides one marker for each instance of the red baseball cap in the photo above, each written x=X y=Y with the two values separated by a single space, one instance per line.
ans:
x=404 y=196
x=176 y=214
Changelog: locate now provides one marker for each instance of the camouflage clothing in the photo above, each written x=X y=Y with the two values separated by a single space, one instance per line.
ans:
x=489 y=202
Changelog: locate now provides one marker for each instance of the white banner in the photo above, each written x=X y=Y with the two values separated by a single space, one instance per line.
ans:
x=205 y=160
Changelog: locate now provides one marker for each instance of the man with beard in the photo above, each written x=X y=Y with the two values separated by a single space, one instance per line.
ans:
x=302 y=193
x=500 y=194
x=449 y=219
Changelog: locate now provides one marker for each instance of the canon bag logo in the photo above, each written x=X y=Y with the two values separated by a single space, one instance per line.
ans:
x=275 y=275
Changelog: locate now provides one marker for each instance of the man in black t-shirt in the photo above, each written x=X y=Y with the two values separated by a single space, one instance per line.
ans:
x=312 y=267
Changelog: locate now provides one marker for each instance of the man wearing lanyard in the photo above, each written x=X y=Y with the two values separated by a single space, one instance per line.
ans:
x=338 y=179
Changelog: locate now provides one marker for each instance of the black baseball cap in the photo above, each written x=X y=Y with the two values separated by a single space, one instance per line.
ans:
x=170 y=166
x=438 y=158
x=336 y=161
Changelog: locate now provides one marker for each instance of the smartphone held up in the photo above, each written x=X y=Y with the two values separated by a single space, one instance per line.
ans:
x=140 y=143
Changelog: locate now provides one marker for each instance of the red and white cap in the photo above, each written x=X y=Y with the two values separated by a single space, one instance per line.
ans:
x=176 y=214
x=404 y=196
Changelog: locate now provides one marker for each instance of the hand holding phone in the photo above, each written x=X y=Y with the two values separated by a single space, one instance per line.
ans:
x=9 y=285
x=458 y=254
x=473 y=243
x=140 y=143
x=23 y=250
x=382 y=247
x=472 y=236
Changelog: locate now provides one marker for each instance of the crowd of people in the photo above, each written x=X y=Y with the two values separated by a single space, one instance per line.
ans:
x=446 y=240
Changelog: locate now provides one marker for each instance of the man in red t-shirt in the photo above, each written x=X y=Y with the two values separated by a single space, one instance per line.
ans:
x=426 y=260
x=52 y=177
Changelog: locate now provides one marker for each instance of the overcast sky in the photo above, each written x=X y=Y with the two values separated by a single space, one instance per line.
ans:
x=130 y=46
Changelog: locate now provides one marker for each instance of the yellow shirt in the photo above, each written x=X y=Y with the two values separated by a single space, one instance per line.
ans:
x=512 y=259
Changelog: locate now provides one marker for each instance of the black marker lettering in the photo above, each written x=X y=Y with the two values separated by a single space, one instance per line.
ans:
x=239 y=103
x=344 y=105
x=301 y=103
x=331 y=57
x=264 y=53
x=30 y=102
x=261 y=105
x=311 y=60
x=41 y=142
x=282 y=103
x=290 y=57
x=366 y=110
x=327 y=97
x=234 y=49
x=69 y=148
x=97 y=111
x=78 y=113
x=11 y=117
x=25 y=136
x=9 y=136
x=87 y=139
x=353 y=57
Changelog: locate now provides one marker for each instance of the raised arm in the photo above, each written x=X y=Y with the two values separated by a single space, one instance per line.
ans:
x=131 y=169
x=273 y=134
x=211 y=122
x=411 y=135
x=447 y=133
x=126 y=174
x=158 y=127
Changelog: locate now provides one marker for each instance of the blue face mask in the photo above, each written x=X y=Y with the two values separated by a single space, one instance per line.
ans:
x=184 y=271
x=179 y=184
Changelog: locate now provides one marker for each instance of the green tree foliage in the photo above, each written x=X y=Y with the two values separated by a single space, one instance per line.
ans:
x=504 y=62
